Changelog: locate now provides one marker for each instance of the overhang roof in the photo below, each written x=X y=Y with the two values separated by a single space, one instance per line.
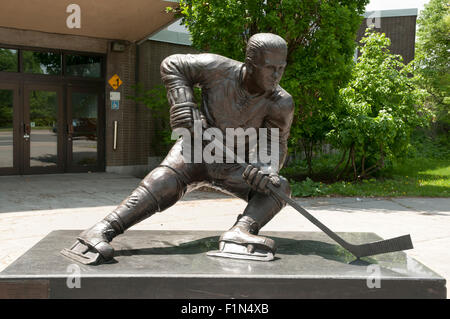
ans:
x=391 y=13
x=131 y=20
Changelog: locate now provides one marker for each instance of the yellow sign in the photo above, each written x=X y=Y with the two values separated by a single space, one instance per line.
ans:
x=115 y=81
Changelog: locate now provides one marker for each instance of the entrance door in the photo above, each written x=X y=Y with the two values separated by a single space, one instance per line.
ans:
x=9 y=129
x=43 y=129
x=85 y=134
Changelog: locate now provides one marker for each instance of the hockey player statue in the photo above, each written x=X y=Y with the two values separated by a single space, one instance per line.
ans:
x=234 y=95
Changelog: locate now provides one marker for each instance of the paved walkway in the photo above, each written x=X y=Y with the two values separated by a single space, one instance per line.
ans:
x=32 y=206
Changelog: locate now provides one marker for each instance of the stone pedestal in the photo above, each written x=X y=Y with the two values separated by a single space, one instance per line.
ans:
x=174 y=264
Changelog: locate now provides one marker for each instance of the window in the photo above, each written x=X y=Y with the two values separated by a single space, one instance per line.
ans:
x=84 y=66
x=37 y=61
x=9 y=61
x=41 y=62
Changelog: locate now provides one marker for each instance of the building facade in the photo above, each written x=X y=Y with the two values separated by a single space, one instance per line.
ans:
x=398 y=25
x=57 y=66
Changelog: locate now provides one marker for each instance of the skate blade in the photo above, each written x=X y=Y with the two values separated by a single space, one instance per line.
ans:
x=82 y=254
x=235 y=251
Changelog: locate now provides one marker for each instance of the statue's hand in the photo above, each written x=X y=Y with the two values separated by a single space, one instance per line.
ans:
x=258 y=180
x=181 y=115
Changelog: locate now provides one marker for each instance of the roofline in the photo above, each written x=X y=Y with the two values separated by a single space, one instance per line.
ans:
x=163 y=35
x=162 y=28
x=391 y=13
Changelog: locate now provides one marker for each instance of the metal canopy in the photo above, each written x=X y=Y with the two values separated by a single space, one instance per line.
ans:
x=130 y=20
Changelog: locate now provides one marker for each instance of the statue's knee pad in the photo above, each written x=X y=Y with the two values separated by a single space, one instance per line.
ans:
x=165 y=185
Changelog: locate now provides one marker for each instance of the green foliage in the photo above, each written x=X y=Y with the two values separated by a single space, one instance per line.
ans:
x=412 y=177
x=424 y=172
x=41 y=62
x=155 y=99
x=8 y=60
x=377 y=110
x=43 y=108
x=307 y=188
x=321 y=43
x=6 y=108
x=429 y=146
x=433 y=56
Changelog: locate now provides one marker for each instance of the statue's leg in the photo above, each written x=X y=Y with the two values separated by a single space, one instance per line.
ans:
x=260 y=210
x=160 y=189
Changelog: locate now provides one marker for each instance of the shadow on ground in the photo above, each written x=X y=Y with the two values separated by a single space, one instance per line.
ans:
x=285 y=246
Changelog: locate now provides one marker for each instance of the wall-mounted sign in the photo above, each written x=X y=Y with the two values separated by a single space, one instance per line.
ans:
x=114 y=96
x=114 y=104
x=115 y=82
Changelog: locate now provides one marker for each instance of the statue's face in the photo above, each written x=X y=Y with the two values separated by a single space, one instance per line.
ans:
x=267 y=69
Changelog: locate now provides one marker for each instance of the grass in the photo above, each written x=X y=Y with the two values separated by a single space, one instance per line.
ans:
x=423 y=174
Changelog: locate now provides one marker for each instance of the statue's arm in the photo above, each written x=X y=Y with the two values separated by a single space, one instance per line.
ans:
x=180 y=73
x=281 y=117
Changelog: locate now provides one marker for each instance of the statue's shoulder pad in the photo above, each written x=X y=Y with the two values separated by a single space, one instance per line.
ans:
x=283 y=100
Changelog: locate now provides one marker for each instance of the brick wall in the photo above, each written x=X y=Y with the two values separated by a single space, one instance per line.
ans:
x=122 y=64
x=401 y=31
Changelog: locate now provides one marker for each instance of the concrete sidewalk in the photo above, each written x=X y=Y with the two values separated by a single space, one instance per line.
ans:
x=32 y=206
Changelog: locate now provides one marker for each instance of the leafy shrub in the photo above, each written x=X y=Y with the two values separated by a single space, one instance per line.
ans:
x=377 y=111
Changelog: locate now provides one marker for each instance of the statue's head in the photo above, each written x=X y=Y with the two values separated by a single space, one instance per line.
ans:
x=265 y=60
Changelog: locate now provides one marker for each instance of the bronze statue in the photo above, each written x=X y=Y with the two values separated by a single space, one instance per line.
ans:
x=234 y=94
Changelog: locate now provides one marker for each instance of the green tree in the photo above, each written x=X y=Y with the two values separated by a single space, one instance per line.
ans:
x=433 y=56
x=6 y=108
x=378 y=110
x=321 y=42
x=43 y=108
x=41 y=62
x=8 y=60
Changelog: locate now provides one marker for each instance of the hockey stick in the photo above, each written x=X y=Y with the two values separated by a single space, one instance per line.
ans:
x=369 y=249
x=362 y=250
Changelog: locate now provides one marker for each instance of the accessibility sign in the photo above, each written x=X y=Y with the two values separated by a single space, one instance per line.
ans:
x=114 y=104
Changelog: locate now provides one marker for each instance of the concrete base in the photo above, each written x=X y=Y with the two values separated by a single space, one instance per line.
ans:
x=174 y=264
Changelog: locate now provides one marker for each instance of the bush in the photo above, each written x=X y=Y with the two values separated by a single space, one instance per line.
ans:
x=377 y=111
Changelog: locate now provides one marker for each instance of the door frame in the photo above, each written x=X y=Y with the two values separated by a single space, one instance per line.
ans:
x=17 y=136
x=20 y=80
x=60 y=165
x=100 y=165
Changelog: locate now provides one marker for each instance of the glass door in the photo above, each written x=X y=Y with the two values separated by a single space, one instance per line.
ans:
x=9 y=129
x=85 y=135
x=43 y=129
